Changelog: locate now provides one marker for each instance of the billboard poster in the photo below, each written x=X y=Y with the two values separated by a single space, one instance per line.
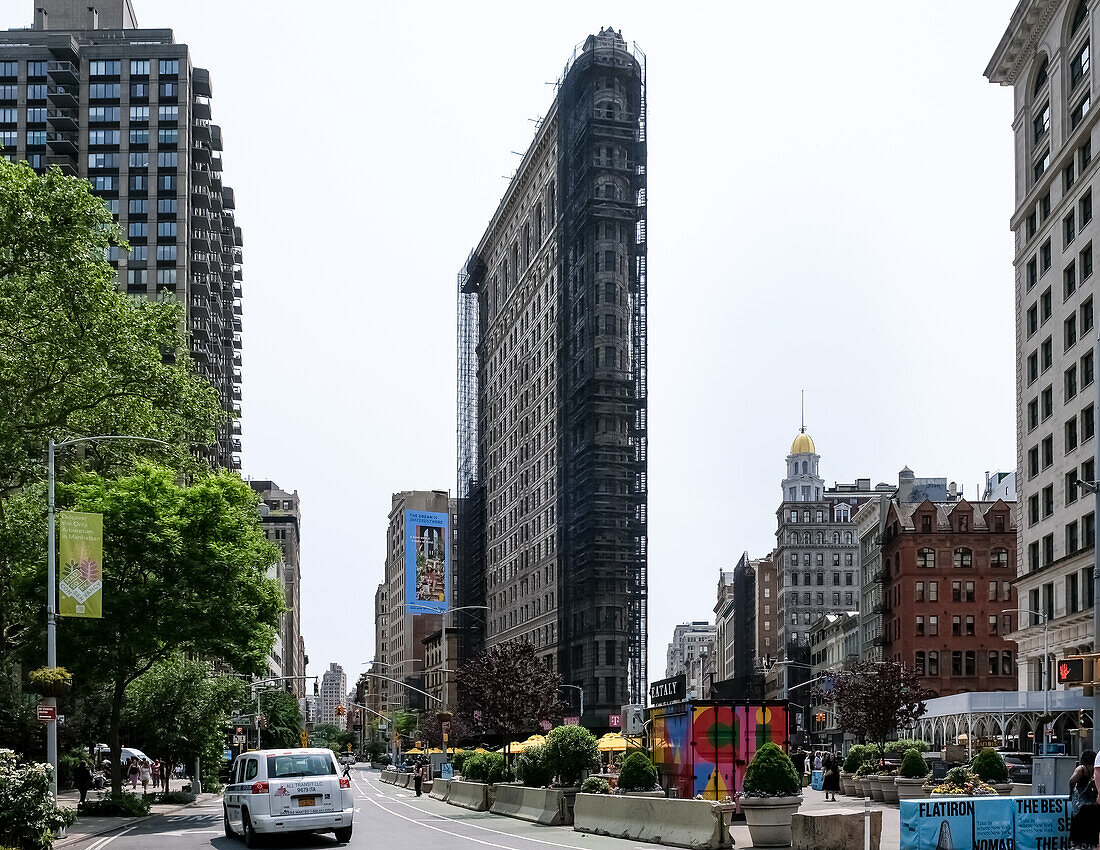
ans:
x=963 y=823
x=427 y=561
x=81 y=573
x=1041 y=822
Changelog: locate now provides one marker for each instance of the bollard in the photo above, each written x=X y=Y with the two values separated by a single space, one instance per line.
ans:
x=866 y=823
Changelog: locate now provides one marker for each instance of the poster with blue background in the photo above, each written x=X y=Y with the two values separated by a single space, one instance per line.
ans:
x=427 y=562
x=1042 y=823
x=967 y=823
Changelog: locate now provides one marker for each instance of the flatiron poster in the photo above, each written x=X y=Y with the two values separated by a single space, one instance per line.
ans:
x=427 y=561
x=81 y=574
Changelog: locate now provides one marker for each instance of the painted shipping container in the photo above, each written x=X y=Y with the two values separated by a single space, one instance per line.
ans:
x=703 y=747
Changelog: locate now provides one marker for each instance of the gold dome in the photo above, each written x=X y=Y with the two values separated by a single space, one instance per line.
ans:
x=803 y=445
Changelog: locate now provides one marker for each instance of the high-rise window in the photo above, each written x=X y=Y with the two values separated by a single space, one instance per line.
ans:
x=139 y=67
x=169 y=67
x=109 y=68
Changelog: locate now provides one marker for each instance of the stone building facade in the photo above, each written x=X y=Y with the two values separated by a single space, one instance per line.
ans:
x=1045 y=56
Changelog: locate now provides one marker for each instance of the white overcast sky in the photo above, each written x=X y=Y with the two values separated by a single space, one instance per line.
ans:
x=829 y=192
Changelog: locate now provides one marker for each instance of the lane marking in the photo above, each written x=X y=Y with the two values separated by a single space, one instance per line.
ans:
x=469 y=824
x=103 y=842
x=444 y=831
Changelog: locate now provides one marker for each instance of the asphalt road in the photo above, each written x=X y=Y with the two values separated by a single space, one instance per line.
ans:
x=385 y=817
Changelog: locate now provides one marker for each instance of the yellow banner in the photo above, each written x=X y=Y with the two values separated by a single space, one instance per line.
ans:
x=81 y=551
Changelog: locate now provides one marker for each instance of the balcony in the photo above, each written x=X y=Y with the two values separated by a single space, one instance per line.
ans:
x=237 y=293
x=237 y=396
x=200 y=289
x=200 y=332
x=201 y=132
x=201 y=153
x=237 y=359
x=62 y=119
x=199 y=308
x=64 y=162
x=200 y=110
x=237 y=342
x=62 y=142
x=236 y=444
x=200 y=241
x=237 y=275
x=200 y=177
x=235 y=463
x=215 y=137
x=237 y=325
x=237 y=311
x=199 y=265
x=63 y=96
x=235 y=427
x=228 y=199
x=200 y=200
x=200 y=82
x=64 y=72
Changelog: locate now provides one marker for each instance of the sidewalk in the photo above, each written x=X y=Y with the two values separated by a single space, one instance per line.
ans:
x=90 y=826
x=814 y=801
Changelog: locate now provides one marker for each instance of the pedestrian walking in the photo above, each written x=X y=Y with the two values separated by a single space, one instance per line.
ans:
x=831 y=781
x=145 y=774
x=83 y=781
x=155 y=768
x=817 y=760
x=133 y=771
x=423 y=771
x=165 y=774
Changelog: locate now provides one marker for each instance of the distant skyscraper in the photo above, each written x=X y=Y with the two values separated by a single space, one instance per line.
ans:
x=1045 y=55
x=552 y=430
x=87 y=91
x=334 y=686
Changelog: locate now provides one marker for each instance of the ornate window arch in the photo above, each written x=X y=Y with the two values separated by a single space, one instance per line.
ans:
x=1080 y=15
x=1041 y=77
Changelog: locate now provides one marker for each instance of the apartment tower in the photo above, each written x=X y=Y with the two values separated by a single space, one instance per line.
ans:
x=1045 y=55
x=89 y=92
x=552 y=390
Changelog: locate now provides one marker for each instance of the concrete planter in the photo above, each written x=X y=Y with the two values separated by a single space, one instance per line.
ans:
x=875 y=784
x=658 y=794
x=864 y=783
x=909 y=789
x=846 y=784
x=889 y=789
x=1003 y=789
x=769 y=819
x=680 y=823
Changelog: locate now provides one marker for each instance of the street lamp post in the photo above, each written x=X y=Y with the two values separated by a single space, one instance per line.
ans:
x=444 y=613
x=51 y=581
x=1044 y=674
x=581 y=690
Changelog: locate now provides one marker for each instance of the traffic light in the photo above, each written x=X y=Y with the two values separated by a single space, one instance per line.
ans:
x=316 y=688
x=1071 y=671
x=341 y=711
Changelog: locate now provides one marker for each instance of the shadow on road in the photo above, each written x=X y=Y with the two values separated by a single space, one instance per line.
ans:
x=298 y=841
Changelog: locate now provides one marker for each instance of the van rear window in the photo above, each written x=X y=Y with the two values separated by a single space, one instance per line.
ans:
x=304 y=765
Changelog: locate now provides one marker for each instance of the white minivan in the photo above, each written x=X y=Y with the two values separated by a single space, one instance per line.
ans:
x=278 y=791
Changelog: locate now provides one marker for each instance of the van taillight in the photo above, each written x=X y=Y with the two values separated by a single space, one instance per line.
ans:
x=345 y=782
x=260 y=788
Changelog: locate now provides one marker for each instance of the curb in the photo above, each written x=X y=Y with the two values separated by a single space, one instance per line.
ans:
x=106 y=829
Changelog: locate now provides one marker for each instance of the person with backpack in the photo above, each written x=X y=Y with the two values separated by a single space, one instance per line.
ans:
x=1084 y=826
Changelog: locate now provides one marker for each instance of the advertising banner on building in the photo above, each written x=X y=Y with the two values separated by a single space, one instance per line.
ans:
x=427 y=561
x=81 y=573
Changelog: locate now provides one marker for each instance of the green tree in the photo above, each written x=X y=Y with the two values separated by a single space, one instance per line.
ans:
x=283 y=718
x=185 y=570
x=180 y=711
x=507 y=689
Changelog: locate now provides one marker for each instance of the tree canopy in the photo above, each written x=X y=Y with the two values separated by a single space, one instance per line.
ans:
x=875 y=699
x=507 y=690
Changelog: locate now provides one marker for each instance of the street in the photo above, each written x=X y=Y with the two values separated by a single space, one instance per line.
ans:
x=384 y=817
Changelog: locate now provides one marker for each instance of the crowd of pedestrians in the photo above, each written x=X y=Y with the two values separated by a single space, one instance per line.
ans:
x=148 y=772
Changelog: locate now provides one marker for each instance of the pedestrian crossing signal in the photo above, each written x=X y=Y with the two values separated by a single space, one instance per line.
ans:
x=1071 y=671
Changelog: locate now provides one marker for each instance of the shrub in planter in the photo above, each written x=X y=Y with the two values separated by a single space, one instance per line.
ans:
x=990 y=767
x=596 y=785
x=475 y=768
x=532 y=768
x=963 y=781
x=868 y=768
x=638 y=773
x=903 y=745
x=181 y=798
x=123 y=805
x=28 y=813
x=459 y=760
x=913 y=765
x=771 y=773
x=571 y=750
x=857 y=755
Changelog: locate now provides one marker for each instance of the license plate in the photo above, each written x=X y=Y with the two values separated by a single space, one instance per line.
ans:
x=306 y=802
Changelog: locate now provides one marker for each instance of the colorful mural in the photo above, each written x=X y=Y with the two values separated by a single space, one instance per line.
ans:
x=704 y=747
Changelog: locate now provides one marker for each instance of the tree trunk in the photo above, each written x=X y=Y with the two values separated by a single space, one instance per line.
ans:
x=113 y=736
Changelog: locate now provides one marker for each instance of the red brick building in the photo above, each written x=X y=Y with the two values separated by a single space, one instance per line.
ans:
x=948 y=570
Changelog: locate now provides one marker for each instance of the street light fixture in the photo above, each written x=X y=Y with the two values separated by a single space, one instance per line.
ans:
x=51 y=581
x=1044 y=674
x=578 y=688
x=443 y=620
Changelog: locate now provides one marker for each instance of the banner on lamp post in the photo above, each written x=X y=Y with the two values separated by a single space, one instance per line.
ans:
x=81 y=573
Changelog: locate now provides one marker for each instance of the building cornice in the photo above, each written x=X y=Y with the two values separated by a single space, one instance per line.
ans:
x=1027 y=25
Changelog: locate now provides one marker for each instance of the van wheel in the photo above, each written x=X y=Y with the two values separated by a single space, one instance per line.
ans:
x=248 y=833
x=343 y=835
x=229 y=833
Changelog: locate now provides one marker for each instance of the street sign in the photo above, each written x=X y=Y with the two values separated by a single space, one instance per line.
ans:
x=238 y=739
x=47 y=713
x=303 y=738
x=668 y=690
x=615 y=721
x=571 y=721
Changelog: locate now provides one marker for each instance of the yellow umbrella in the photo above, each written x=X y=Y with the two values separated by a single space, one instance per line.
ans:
x=481 y=750
x=612 y=742
x=435 y=750
x=414 y=752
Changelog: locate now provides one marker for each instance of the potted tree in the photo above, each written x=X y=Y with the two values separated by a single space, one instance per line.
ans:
x=772 y=796
x=638 y=777
x=863 y=778
x=909 y=783
x=991 y=769
x=848 y=769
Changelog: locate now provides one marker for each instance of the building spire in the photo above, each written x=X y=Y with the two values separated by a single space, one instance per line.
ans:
x=802 y=430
